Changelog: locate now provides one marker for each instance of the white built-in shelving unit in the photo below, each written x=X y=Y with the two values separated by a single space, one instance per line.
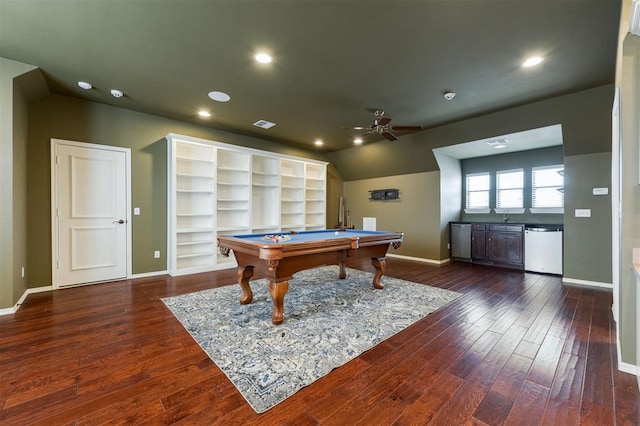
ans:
x=216 y=188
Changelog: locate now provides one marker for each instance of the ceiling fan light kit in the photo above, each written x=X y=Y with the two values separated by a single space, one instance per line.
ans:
x=382 y=127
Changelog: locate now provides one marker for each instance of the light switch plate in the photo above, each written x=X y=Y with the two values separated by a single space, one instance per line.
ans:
x=136 y=211
x=156 y=254
x=583 y=212
x=600 y=191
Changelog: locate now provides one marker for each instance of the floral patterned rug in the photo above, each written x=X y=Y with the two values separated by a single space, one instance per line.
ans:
x=327 y=322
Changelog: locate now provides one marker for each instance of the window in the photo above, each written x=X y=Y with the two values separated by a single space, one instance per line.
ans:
x=478 y=185
x=509 y=189
x=547 y=187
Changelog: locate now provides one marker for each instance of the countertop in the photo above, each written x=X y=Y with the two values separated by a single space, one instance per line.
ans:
x=526 y=225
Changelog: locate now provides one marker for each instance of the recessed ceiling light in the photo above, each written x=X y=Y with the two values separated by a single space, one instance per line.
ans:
x=357 y=141
x=117 y=93
x=219 y=96
x=204 y=114
x=449 y=95
x=318 y=142
x=263 y=58
x=532 y=61
x=85 y=85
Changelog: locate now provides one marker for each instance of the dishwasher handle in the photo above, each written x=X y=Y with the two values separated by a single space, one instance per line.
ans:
x=532 y=229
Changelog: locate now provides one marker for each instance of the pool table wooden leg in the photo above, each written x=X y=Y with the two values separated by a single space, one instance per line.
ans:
x=343 y=272
x=278 y=290
x=380 y=263
x=244 y=275
x=342 y=259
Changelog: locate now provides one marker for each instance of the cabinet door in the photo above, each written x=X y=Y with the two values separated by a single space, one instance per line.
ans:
x=505 y=247
x=478 y=245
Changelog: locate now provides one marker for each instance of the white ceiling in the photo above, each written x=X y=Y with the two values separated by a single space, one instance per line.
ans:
x=542 y=137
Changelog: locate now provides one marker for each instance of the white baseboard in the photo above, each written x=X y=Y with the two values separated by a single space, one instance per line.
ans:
x=7 y=311
x=587 y=283
x=625 y=367
x=148 y=274
x=420 y=259
x=14 y=309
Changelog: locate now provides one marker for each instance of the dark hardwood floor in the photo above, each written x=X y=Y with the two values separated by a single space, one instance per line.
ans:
x=517 y=349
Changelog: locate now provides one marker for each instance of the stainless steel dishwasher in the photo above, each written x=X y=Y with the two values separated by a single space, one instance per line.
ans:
x=461 y=241
x=543 y=248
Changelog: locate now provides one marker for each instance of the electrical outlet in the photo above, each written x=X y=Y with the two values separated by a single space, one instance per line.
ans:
x=583 y=212
x=156 y=254
x=22 y=272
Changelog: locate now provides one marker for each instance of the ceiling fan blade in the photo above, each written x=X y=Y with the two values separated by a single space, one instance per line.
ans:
x=389 y=136
x=382 y=121
x=406 y=127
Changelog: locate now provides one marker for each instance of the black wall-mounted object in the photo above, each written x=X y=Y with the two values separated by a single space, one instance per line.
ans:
x=384 y=194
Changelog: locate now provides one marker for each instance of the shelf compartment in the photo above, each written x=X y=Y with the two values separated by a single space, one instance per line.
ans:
x=184 y=252
x=194 y=151
x=264 y=205
x=233 y=219
x=233 y=177
x=195 y=167
x=233 y=160
x=317 y=185
x=194 y=203
x=195 y=262
x=195 y=222
x=266 y=165
x=291 y=168
x=233 y=192
x=315 y=171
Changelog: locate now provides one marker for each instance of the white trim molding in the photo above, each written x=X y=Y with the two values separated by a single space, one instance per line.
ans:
x=14 y=309
x=148 y=274
x=587 y=283
x=420 y=259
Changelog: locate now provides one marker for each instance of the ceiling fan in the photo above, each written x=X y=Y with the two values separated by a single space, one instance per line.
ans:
x=382 y=127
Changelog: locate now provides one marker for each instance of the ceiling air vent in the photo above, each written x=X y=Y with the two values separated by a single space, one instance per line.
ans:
x=264 y=124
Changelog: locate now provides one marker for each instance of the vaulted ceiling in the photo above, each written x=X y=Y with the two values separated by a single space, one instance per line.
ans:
x=334 y=62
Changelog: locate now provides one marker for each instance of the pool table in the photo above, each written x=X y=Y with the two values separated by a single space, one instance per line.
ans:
x=278 y=256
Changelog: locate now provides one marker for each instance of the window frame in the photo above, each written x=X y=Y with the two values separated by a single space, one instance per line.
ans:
x=549 y=209
x=477 y=209
x=510 y=209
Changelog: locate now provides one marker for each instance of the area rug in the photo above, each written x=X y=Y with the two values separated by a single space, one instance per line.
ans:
x=327 y=322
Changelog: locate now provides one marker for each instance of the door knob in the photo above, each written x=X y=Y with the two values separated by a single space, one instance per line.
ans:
x=121 y=221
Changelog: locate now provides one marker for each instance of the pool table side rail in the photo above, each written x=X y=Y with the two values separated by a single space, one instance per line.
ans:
x=273 y=251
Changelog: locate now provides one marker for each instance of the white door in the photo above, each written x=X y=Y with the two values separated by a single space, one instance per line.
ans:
x=90 y=205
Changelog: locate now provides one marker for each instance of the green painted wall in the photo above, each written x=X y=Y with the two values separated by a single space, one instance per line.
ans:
x=416 y=213
x=68 y=118
x=587 y=241
x=13 y=188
